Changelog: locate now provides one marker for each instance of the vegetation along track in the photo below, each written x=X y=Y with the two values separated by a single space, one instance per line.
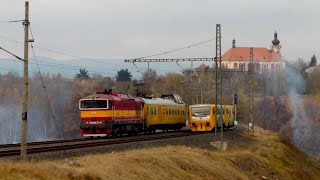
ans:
x=60 y=145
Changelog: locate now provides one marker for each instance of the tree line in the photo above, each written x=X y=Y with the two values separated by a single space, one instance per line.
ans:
x=56 y=114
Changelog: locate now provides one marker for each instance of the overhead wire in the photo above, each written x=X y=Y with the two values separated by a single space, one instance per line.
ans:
x=174 y=50
x=10 y=21
x=45 y=90
x=178 y=49
x=94 y=60
x=65 y=67
x=63 y=53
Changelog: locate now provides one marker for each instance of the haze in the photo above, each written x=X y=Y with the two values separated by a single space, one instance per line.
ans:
x=124 y=29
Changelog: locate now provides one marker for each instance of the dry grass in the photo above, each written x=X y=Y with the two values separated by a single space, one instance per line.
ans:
x=265 y=155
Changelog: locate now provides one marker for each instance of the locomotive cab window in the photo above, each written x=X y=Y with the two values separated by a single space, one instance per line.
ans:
x=94 y=104
x=201 y=111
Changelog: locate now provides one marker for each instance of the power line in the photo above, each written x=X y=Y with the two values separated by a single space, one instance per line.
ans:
x=63 y=53
x=178 y=49
x=11 y=54
x=10 y=21
x=66 y=67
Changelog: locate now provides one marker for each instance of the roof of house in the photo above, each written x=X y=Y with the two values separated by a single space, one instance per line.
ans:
x=203 y=66
x=259 y=54
x=314 y=68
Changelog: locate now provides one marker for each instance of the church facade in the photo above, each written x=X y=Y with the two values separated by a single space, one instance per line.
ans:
x=238 y=58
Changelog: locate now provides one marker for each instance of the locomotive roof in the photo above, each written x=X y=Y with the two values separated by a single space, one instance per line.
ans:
x=111 y=96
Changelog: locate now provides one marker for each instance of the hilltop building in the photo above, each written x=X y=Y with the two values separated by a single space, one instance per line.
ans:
x=264 y=59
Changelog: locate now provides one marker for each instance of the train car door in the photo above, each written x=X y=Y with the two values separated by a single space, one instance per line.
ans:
x=146 y=115
x=163 y=114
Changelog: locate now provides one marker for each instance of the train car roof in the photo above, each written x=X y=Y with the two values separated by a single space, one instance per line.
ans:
x=159 y=101
x=201 y=105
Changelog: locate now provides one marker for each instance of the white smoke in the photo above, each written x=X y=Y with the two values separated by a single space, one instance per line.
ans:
x=299 y=121
x=10 y=125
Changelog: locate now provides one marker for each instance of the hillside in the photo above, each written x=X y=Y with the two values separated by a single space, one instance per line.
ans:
x=264 y=156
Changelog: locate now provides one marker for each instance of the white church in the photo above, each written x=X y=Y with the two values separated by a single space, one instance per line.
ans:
x=264 y=59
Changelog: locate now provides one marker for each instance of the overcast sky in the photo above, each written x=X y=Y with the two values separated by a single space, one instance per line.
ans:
x=121 y=29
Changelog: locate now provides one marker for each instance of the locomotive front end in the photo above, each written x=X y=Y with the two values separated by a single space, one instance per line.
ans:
x=201 y=118
x=96 y=117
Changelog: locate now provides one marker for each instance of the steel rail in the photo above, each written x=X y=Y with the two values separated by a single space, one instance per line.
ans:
x=89 y=144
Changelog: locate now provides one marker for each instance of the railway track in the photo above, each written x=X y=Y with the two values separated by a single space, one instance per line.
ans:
x=2 y=146
x=61 y=145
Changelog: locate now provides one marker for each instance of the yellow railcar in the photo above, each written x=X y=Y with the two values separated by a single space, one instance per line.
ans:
x=164 y=113
x=203 y=117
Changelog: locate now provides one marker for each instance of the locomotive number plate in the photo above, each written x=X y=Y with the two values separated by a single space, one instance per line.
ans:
x=93 y=122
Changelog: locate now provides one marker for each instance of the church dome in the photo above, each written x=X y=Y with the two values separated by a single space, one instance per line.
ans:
x=275 y=41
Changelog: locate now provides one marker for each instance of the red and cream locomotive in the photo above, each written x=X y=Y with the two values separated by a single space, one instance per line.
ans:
x=106 y=113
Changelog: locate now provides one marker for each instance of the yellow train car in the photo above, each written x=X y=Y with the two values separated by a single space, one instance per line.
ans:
x=167 y=112
x=229 y=116
x=203 y=117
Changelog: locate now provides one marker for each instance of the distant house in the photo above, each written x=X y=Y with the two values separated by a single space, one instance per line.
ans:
x=312 y=69
x=264 y=59
x=202 y=68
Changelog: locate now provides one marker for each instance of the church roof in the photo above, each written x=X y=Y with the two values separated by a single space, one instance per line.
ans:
x=259 y=54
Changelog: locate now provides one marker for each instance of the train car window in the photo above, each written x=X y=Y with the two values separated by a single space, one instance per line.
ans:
x=151 y=110
x=200 y=111
x=147 y=109
x=155 y=109
x=93 y=104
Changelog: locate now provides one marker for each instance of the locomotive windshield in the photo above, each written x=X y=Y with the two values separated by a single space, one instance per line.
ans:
x=201 y=111
x=93 y=104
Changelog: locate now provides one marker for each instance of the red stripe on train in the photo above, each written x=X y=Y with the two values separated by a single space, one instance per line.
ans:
x=110 y=118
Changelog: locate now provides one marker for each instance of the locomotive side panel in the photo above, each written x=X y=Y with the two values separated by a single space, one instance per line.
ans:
x=116 y=113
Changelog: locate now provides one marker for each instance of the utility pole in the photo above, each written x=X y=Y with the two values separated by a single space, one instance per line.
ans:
x=251 y=94
x=201 y=94
x=218 y=105
x=25 y=85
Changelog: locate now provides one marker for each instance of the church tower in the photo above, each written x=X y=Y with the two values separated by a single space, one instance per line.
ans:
x=276 y=47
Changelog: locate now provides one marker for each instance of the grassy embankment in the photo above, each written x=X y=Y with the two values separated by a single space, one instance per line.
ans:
x=262 y=156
